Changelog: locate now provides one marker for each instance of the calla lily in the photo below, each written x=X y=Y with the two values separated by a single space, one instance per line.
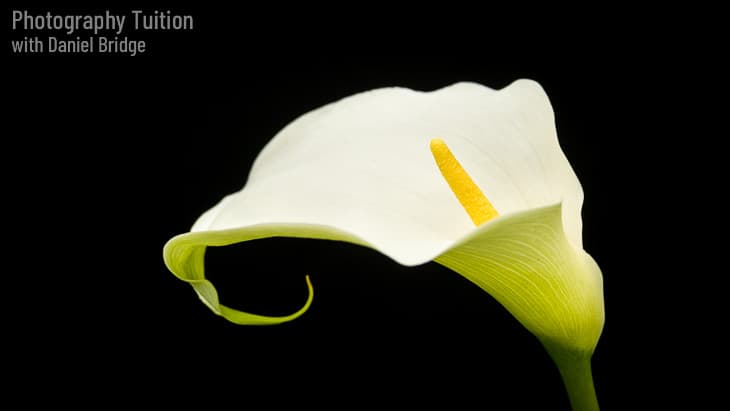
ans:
x=467 y=176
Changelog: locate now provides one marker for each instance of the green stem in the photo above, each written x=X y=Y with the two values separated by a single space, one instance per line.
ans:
x=575 y=368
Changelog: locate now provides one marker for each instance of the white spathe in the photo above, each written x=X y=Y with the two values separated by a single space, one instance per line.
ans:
x=360 y=170
x=363 y=165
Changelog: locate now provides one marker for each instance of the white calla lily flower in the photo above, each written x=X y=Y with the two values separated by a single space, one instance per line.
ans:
x=362 y=170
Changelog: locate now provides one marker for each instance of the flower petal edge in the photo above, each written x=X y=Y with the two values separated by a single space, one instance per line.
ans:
x=184 y=256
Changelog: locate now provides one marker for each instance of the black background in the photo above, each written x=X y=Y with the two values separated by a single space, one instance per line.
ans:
x=107 y=157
